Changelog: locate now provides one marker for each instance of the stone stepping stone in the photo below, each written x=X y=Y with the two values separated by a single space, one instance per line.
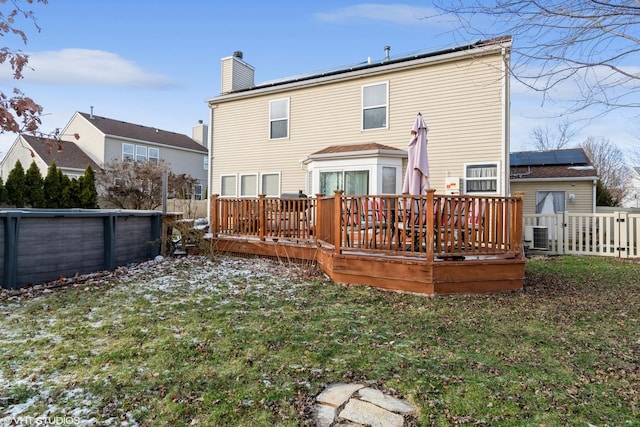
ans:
x=344 y=405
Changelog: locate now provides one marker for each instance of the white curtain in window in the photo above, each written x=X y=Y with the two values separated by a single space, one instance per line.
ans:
x=248 y=185
x=482 y=172
x=389 y=180
x=550 y=202
x=329 y=182
x=271 y=184
x=482 y=178
x=356 y=182
x=228 y=186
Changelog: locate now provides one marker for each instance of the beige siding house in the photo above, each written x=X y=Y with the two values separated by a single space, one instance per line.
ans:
x=349 y=128
x=554 y=181
x=68 y=157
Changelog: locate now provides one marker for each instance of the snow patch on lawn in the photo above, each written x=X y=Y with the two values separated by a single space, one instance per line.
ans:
x=30 y=391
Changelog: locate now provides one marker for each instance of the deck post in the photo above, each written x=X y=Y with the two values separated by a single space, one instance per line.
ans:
x=430 y=225
x=316 y=218
x=516 y=223
x=213 y=213
x=262 y=216
x=337 y=219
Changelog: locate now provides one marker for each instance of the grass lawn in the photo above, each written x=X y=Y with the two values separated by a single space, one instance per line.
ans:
x=250 y=342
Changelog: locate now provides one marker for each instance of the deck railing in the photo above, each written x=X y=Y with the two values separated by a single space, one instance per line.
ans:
x=264 y=217
x=431 y=226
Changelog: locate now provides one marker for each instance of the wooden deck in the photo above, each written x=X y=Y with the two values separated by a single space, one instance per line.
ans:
x=430 y=244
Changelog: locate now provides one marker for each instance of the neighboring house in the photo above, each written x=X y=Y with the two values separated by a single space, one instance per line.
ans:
x=632 y=198
x=68 y=157
x=105 y=140
x=349 y=128
x=554 y=181
x=102 y=140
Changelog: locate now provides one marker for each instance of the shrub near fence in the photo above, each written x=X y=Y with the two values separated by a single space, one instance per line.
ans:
x=38 y=245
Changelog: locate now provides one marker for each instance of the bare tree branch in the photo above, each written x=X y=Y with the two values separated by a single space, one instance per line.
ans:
x=138 y=185
x=544 y=138
x=610 y=163
x=591 y=45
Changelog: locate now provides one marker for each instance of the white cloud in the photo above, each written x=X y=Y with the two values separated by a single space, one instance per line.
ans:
x=86 y=67
x=394 y=13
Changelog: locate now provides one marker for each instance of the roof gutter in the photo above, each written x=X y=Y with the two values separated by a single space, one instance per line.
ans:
x=559 y=179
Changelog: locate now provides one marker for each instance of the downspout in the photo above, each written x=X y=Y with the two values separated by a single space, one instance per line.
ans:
x=212 y=107
x=594 y=195
x=506 y=140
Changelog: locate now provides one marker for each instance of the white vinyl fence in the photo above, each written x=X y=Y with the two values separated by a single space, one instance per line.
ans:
x=613 y=234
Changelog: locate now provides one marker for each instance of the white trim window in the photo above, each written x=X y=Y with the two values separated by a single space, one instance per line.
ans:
x=127 y=152
x=154 y=155
x=141 y=153
x=375 y=106
x=228 y=186
x=270 y=184
x=350 y=181
x=279 y=118
x=249 y=185
x=389 y=180
x=550 y=201
x=481 y=178
x=197 y=191
x=205 y=163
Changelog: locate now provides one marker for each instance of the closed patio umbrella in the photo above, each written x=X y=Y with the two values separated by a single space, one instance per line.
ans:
x=416 y=179
x=416 y=182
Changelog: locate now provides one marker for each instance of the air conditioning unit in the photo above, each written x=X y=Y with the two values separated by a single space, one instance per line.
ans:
x=536 y=237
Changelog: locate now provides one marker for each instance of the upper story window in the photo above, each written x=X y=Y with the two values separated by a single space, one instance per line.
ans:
x=127 y=152
x=205 y=163
x=375 y=106
x=279 y=118
x=481 y=178
x=154 y=155
x=141 y=153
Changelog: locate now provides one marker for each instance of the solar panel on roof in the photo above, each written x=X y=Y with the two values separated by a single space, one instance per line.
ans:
x=571 y=157
x=539 y=158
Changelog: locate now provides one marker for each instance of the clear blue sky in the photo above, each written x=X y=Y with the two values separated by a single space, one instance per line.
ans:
x=155 y=62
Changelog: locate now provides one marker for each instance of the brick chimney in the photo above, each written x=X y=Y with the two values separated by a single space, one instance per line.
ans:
x=235 y=74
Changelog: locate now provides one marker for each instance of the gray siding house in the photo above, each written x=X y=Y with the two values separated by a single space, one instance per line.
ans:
x=102 y=140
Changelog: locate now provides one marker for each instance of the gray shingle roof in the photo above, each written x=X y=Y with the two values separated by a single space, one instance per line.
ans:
x=143 y=133
x=68 y=155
